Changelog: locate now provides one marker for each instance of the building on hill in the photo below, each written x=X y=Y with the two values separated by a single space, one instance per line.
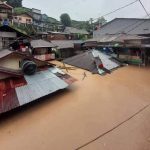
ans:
x=6 y=13
x=132 y=26
x=37 y=16
x=23 y=18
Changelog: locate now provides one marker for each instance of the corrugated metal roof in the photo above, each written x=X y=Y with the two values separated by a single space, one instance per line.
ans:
x=116 y=38
x=107 y=62
x=125 y=25
x=84 y=61
x=41 y=43
x=41 y=84
x=63 y=44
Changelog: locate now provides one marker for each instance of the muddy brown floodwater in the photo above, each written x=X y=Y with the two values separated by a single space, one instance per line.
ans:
x=71 y=118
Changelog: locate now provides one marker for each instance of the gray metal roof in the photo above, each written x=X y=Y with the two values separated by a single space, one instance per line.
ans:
x=106 y=60
x=125 y=25
x=116 y=38
x=41 y=43
x=63 y=44
x=84 y=61
x=41 y=84
x=71 y=30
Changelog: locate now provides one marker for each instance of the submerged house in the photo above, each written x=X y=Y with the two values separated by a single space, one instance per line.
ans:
x=24 y=79
x=42 y=50
x=94 y=61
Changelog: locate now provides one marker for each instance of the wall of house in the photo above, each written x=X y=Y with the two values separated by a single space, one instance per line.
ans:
x=0 y=43
x=3 y=15
x=65 y=53
x=37 y=16
x=23 y=19
x=12 y=62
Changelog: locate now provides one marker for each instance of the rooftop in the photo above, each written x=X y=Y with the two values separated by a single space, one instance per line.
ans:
x=41 y=44
x=125 y=25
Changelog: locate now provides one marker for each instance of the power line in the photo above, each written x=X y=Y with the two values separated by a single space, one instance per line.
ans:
x=115 y=127
x=144 y=8
x=117 y=9
x=147 y=14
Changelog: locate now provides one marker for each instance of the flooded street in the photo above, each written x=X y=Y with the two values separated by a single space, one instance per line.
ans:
x=90 y=108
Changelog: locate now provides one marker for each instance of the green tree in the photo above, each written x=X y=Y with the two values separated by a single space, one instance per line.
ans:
x=65 y=20
x=101 y=21
x=14 y=3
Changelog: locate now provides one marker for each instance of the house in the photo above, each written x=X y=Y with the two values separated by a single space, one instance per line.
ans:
x=9 y=35
x=24 y=79
x=133 y=26
x=94 y=61
x=66 y=48
x=76 y=34
x=23 y=18
x=6 y=13
x=37 y=16
x=42 y=50
x=129 y=37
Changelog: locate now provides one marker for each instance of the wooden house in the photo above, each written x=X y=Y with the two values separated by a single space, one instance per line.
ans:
x=42 y=50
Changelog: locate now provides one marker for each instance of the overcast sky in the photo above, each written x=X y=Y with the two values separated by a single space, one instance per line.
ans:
x=85 y=9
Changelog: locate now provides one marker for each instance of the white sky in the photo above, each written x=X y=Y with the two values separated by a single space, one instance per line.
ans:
x=85 y=9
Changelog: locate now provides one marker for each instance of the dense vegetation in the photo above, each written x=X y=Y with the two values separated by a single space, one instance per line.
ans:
x=14 y=3
x=65 y=20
